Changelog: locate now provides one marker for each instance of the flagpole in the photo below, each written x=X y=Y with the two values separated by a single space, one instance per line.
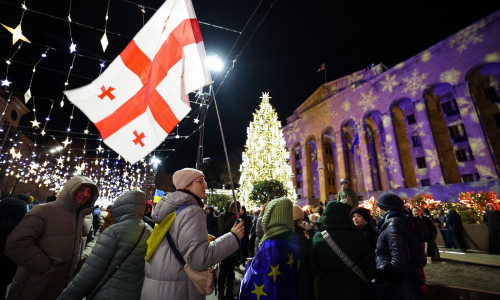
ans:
x=225 y=153
x=203 y=111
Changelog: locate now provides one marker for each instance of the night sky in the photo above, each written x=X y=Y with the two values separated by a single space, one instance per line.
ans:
x=279 y=52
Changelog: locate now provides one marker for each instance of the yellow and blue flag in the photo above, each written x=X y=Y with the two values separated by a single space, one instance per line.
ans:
x=158 y=195
x=273 y=272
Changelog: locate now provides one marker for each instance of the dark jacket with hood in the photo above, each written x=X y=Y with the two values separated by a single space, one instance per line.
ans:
x=111 y=248
x=212 y=222
x=48 y=243
x=398 y=257
x=335 y=279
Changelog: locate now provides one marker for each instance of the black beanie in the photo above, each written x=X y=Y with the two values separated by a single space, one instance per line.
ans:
x=365 y=213
x=389 y=201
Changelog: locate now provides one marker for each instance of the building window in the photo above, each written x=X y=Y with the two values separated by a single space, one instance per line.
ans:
x=492 y=94
x=425 y=182
x=297 y=156
x=450 y=108
x=329 y=166
x=467 y=178
x=299 y=171
x=469 y=151
x=421 y=163
x=416 y=141
x=411 y=119
x=457 y=133
x=298 y=184
x=461 y=155
x=497 y=119
x=476 y=175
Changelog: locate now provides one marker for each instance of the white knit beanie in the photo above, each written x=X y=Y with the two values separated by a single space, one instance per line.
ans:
x=184 y=177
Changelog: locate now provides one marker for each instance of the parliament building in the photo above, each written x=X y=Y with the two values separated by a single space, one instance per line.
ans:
x=430 y=124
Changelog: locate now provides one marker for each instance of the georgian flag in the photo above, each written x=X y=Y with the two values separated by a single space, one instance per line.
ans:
x=143 y=94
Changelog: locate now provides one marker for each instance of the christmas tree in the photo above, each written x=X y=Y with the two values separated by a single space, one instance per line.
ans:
x=265 y=156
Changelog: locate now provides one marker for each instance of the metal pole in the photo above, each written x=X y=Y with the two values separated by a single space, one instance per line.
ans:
x=203 y=111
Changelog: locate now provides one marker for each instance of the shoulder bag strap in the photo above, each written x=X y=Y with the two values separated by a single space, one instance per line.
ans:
x=342 y=255
x=177 y=254
x=116 y=268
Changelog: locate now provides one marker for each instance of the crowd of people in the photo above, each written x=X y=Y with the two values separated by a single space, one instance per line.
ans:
x=70 y=248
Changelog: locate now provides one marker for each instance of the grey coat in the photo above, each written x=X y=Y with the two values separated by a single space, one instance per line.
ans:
x=48 y=243
x=165 y=276
x=111 y=248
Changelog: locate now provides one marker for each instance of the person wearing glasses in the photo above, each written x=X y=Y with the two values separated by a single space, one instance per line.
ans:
x=165 y=277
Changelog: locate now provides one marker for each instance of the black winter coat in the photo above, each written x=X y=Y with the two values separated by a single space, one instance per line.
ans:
x=212 y=225
x=398 y=257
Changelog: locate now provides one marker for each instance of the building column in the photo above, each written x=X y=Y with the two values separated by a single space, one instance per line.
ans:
x=306 y=170
x=431 y=155
x=384 y=176
x=392 y=162
x=323 y=198
x=366 y=179
x=479 y=144
x=340 y=167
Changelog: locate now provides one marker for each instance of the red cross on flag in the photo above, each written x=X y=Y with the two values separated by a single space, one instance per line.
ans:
x=143 y=94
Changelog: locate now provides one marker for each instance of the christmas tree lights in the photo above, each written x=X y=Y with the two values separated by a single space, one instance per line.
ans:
x=265 y=156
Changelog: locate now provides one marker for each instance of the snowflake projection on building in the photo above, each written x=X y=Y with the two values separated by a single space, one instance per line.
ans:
x=415 y=83
x=389 y=82
x=368 y=100
x=467 y=109
x=467 y=36
x=450 y=76
x=386 y=121
x=432 y=158
x=353 y=79
x=319 y=116
x=426 y=56
x=293 y=133
x=346 y=105
x=485 y=171
x=419 y=106
x=492 y=57
x=399 y=66
x=477 y=145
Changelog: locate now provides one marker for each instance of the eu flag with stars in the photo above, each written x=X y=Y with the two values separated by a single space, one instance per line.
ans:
x=273 y=272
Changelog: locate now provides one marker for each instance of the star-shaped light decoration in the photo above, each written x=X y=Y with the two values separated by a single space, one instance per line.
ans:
x=104 y=42
x=177 y=136
x=6 y=82
x=265 y=95
x=27 y=96
x=60 y=161
x=72 y=47
x=86 y=131
x=196 y=120
x=35 y=123
x=17 y=33
x=99 y=149
x=66 y=142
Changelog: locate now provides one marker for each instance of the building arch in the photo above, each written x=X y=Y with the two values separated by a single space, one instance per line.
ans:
x=484 y=88
x=329 y=162
x=297 y=169
x=447 y=129
x=374 y=133
x=403 y=117
x=312 y=167
x=352 y=157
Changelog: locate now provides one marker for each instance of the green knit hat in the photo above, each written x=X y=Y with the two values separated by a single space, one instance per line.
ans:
x=278 y=218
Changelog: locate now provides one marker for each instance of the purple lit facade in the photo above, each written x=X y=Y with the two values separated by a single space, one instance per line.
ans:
x=430 y=124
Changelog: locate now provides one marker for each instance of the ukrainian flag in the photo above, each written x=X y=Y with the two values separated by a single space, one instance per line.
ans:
x=158 y=195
